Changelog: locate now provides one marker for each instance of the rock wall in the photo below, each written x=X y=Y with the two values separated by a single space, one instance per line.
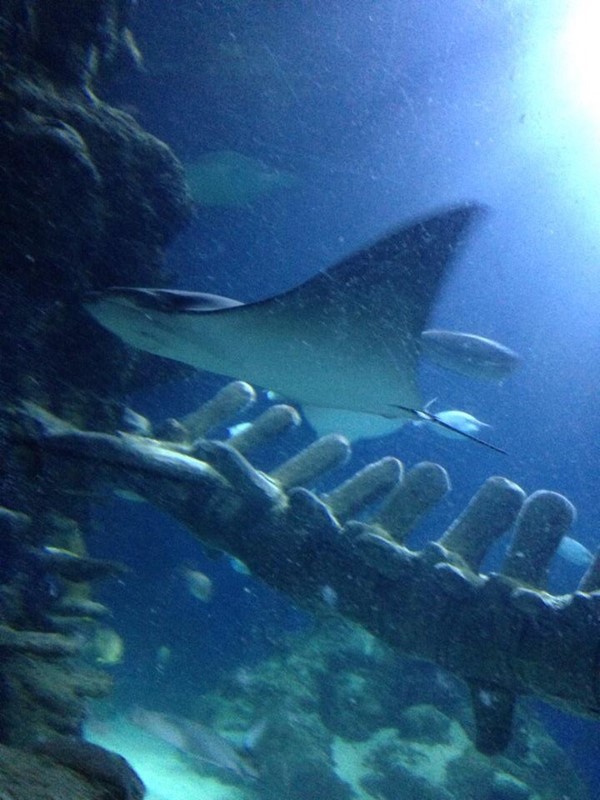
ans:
x=89 y=199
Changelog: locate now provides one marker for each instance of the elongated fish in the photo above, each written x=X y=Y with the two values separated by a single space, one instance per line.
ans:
x=471 y=355
x=196 y=741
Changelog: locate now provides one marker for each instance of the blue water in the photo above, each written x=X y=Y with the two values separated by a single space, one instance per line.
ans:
x=382 y=110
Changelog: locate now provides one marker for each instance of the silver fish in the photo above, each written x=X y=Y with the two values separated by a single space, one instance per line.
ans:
x=574 y=552
x=469 y=354
x=196 y=741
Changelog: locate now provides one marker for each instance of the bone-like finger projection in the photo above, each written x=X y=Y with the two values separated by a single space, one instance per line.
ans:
x=502 y=633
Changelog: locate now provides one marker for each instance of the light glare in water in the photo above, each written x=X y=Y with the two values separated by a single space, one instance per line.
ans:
x=580 y=58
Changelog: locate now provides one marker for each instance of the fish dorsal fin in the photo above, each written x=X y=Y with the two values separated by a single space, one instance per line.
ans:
x=405 y=268
x=429 y=404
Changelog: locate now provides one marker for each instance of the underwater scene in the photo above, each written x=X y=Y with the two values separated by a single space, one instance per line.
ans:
x=299 y=374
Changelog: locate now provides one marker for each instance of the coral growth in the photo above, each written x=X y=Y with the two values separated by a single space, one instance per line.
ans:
x=418 y=745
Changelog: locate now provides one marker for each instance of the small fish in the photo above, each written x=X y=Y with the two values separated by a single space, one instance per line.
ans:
x=107 y=647
x=127 y=494
x=163 y=658
x=238 y=566
x=199 y=742
x=573 y=551
x=448 y=426
x=241 y=427
x=329 y=595
x=227 y=179
x=459 y=422
x=198 y=584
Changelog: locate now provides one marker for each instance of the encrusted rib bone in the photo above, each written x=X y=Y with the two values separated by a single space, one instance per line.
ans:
x=275 y=421
x=591 y=580
x=38 y=643
x=233 y=399
x=542 y=522
x=491 y=512
x=500 y=633
x=321 y=456
x=370 y=484
x=13 y=526
x=79 y=569
x=422 y=488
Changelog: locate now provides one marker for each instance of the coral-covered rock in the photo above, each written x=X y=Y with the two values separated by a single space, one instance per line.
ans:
x=25 y=776
x=296 y=762
x=471 y=776
x=89 y=199
x=67 y=771
x=40 y=697
x=507 y=787
x=352 y=700
x=424 y=723
x=101 y=767
x=397 y=768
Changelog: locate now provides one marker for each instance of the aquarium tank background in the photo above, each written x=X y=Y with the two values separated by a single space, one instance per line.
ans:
x=177 y=617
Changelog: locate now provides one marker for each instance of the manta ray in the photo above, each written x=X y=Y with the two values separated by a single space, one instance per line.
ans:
x=347 y=339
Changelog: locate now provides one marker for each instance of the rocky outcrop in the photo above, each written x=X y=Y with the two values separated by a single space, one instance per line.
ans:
x=65 y=769
x=89 y=199
x=416 y=744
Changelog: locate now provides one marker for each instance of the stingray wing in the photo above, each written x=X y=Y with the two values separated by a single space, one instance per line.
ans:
x=399 y=276
x=352 y=333
x=347 y=338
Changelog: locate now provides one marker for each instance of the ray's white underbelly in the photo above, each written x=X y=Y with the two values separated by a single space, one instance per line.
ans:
x=322 y=371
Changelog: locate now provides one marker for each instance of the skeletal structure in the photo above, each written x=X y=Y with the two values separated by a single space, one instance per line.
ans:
x=502 y=633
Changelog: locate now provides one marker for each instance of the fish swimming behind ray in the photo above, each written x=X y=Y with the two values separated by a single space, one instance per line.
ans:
x=348 y=338
x=227 y=179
